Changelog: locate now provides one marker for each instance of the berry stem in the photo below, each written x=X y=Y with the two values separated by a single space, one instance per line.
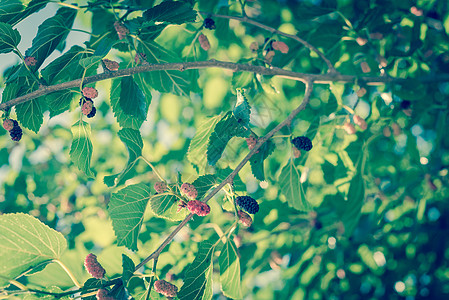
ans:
x=67 y=270
x=150 y=285
x=154 y=169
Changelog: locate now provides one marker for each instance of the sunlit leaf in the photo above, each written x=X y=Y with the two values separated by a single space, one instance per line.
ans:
x=230 y=271
x=126 y=210
x=27 y=243
x=291 y=187
x=128 y=269
x=81 y=149
x=227 y=128
x=198 y=145
x=203 y=184
x=13 y=11
x=242 y=110
x=166 y=206
x=257 y=160
x=198 y=279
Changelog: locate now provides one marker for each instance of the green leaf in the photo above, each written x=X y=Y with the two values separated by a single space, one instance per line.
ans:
x=9 y=38
x=125 y=120
x=313 y=128
x=26 y=243
x=30 y=114
x=67 y=67
x=175 y=12
x=351 y=209
x=128 y=269
x=258 y=158
x=230 y=271
x=90 y=284
x=242 y=110
x=198 y=145
x=51 y=289
x=90 y=62
x=331 y=105
x=291 y=187
x=13 y=11
x=203 y=184
x=132 y=99
x=224 y=131
x=81 y=149
x=58 y=102
x=242 y=79
x=198 y=280
x=175 y=82
x=50 y=34
x=166 y=206
x=238 y=183
x=134 y=144
x=126 y=210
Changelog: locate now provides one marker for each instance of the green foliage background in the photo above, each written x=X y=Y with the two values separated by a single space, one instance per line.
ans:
x=359 y=216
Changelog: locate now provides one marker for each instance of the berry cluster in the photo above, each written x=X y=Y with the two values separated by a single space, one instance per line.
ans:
x=189 y=190
x=103 y=294
x=87 y=107
x=244 y=218
x=248 y=204
x=93 y=266
x=121 y=30
x=30 y=61
x=302 y=143
x=209 y=23
x=251 y=142
x=165 y=288
x=14 y=129
x=160 y=187
x=110 y=64
x=198 y=208
x=204 y=42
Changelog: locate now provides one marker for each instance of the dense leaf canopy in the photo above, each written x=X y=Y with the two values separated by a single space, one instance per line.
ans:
x=212 y=93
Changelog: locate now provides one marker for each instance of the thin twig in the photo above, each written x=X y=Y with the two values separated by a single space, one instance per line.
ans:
x=245 y=19
x=230 y=178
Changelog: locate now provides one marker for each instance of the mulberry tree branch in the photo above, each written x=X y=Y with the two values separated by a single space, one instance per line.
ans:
x=245 y=19
x=230 y=178
x=236 y=67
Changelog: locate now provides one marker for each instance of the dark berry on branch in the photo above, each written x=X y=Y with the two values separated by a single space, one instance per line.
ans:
x=405 y=104
x=302 y=143
x=248 y=204
x=165 y=288
x=92 y=113
x=209 y=23
x=16 y=132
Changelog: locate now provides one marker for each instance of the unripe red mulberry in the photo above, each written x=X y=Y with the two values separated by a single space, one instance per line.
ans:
x=121 y=30
x=204 y=42
x=110 y=64
x=103 y=294
x=365 y=67
x=251 y=142
x=8 y=124
x=165 y=288
x=269 y=56
x=90 y=92
x=244 y=218
x=280 y=46
x=30 y=61
x=189 y=190
x=254 y=46
x=349 y=128
x=160 y=187
x=296 y=152
x=361 y=41
x=93 y=266
x=360 y=121
x=87 y=107
x=199 y=208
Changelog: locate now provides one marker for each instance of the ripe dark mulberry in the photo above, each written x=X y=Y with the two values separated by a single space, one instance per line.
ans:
x=93 y=266
x=16 y=132
x=92 y=112
x=165 y=288
x=209 y=23
x=248 y=204
x=302 y=143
